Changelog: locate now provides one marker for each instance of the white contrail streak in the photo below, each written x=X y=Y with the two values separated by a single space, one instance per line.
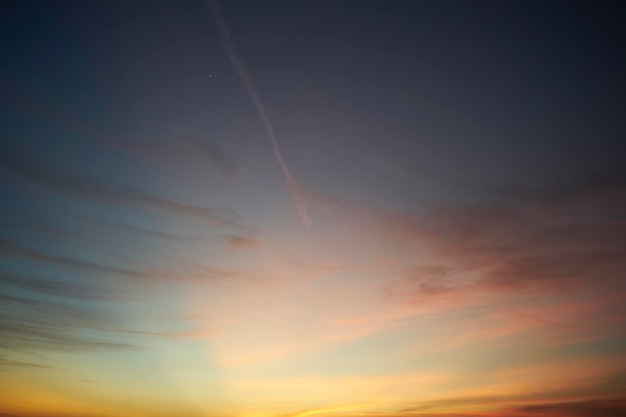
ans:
x=229 y=46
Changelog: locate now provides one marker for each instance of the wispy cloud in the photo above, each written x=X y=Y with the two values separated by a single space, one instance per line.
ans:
x=8 y=363
x=224 y=162
x=558 y=247
x=10 y=249
x=19 y=220
x=159 y=151
x=612 y=407
x=120 y=195
x=605 y=407
x=562 y=397
x=550 y=238
x=49 y=286
x=35 y=324
x=237 y=242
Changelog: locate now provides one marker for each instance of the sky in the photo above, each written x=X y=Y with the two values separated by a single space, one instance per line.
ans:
x=312 y=208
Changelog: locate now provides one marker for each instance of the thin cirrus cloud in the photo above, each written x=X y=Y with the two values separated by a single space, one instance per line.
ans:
x=103 y=238
x=224 y=162
x=612 y=407
x=238 y=242
x=19 y=220
x=120 y=195
x=103 y=248
x=79 y=317
x=158 y=151
x=454 y=300
x=529 y=239
x=128 y=259
x=59 y=288
x=13 y=250
x=193 y=271
x=609 y=407
x=568 y=390
x=549 y=239
x=27 y=323
x=560 y=247
x=8 y=363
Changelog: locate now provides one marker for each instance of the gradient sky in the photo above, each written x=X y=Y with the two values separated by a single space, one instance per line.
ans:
x=463 y=164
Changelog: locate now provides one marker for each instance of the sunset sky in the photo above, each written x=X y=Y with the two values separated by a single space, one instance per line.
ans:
x=312 y=208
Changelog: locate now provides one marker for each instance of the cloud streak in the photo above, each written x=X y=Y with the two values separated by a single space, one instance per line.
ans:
x=540 y=239
x=10 y=249
x=26 y=323
x=48 y=286
x=246 y=79
x=614 y=407
x=224 y=162
x=236 y=242
x=552 y=238
x=120 y=195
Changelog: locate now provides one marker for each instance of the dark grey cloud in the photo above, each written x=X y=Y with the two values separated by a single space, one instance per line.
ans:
x=152 y=233
x=615 y=407
x=238 y=242
x=591 y=399
x=116 y=194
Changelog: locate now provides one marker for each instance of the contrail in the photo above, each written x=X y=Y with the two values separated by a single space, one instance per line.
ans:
x=229 y=46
